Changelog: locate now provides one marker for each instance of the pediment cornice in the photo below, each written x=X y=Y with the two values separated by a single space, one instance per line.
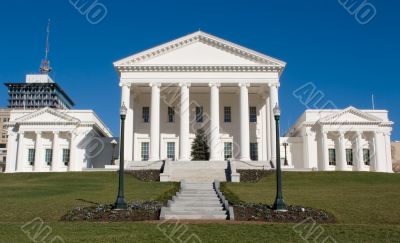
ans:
x=335 y=119
x=64 y=118
x=181 y=68
x=199 y=36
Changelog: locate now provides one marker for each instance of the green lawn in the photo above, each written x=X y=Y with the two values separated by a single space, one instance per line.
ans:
x=354 y=198
x=367 y=206
x=51 y=195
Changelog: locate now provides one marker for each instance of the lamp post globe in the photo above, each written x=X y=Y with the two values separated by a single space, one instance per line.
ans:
x=113 y=144
x=120 y=203
x=279 y=204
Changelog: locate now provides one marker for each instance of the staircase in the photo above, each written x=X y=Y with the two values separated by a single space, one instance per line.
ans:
x=195 y=201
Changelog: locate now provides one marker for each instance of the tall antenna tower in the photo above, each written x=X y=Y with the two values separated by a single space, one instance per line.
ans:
x=45 y=66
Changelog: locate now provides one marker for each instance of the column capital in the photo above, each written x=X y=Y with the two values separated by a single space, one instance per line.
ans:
x=125 y=84
x=38 y=132
x=244 y=84
x=21 y=132
x=214 y=84
x=185 y=84
x=56 y=132
x=274 y=85
x=157 y=84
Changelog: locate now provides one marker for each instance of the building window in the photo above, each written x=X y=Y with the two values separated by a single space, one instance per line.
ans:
x=146 y=114
x=228 y=150
x=332 y=156
x=253 y=114
x=366 y=157
x=31 y=156
x=349 y=156
x=49 y=156
x=171 y=114
x=253 y=151
x=171 y=150
x=145 y=151
x=227 y=114
x=66 y=156
x=199 y=114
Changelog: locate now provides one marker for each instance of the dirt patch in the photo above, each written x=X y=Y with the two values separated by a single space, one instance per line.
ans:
x=137 y=211
x=295 y=214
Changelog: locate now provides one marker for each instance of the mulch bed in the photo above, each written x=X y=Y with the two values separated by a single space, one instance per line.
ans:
x=145 y=175
x=295 y=214
x=137 y=211
x=254 y=175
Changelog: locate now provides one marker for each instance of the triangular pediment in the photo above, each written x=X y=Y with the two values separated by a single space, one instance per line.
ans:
x=199 y=49
x=350 y=115
x=47 y=115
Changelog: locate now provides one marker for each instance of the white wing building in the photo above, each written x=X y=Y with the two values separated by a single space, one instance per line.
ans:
x=55 y=140
x=202 y=81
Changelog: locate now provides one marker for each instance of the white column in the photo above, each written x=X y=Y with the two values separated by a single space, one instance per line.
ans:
x=389 y=164
x=127 y=100
x=268 y=127
x=155 y=122
x=21 y=151
x=244 y=122
x=12 y=151
x=38 y=152
x=214 y=122
x=342 y=152
x=378 y=164
x=73 y=147
x=273 y=94
x=306 y=148
x=323 y=163
x=56 y=160
x=359 y=160
x=184 y=143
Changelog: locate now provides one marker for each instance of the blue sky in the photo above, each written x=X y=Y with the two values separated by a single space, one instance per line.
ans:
x=321 y=42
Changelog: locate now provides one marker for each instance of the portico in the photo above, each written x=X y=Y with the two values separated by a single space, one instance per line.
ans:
x=210 y=83
x=217 y=101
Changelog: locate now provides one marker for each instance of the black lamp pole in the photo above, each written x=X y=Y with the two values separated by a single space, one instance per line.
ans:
x=285 y=145
x=120 y=202
x=279 y=204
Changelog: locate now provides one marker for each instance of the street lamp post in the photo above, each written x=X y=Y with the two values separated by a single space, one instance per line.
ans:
x=113 y=144
x=279 y=204
x=120 y=202
x=285 y=144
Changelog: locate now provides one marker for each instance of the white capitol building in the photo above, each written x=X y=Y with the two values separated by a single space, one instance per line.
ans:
x=202 y=81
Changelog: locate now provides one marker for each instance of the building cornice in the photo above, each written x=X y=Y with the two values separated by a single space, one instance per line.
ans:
x=198 y=68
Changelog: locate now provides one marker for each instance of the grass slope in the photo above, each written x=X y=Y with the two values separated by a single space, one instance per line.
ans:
x=353 y=197
x=366 y=204
x=50 y=195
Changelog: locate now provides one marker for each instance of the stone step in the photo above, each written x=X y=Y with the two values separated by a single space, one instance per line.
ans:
x=196 y=194
x=199 y=196
x=195 y=204
x=208 y=192
x=194 y=217
x=195 y=199
x=202 y=212
x=191 y=208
